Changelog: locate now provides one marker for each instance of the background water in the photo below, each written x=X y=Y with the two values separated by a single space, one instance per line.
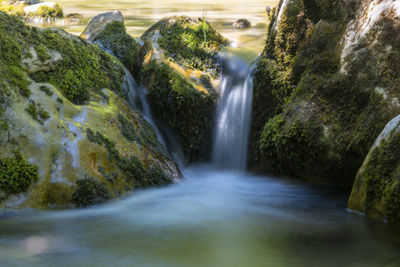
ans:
x=141 y=14
x=211 y=218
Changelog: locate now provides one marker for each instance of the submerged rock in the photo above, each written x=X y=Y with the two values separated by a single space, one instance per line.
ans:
x=180 y=69
x=376 y=190
x=108 y=30
x=324 y=87
x=63 y=108
x=242 y=24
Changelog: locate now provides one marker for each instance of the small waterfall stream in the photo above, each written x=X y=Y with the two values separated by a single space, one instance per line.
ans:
x=233 y=115
x=137 y=98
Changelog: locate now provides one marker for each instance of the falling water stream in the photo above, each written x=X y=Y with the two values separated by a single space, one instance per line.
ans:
x=213 y=217
x=233 y=115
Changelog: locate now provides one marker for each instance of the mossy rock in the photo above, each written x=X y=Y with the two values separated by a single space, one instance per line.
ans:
x=180 y=67
x=16 y=175
x=108 y=30
x=341 y=94
x=376 y=191
x=115 y=40
x=63 y=106
x=187 y=111
x=90 y=192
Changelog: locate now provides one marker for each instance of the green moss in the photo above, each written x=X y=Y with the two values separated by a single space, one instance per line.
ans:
x=46 y=90
x=41 y=51
x=43 y=11
x=90 y=192
x=132 y=168
x=298 y=77
x=381 y=177
x=16 y=175
x=127 y=128
x=183 y=40
x=52 y=12
x=37 y=113
x=291 y=148
x=186 y=110
x=392 y=202
x=115 y=39
x=84 y=69
x=17 y=10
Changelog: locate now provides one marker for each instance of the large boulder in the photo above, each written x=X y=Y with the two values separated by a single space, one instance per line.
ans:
x=180 y=69
x=324 y=87
x=108 y=30
x=376 y=190
x=67 y=131
x=98 y=23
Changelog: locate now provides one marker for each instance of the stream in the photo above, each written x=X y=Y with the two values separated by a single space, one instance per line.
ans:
x=218 y=215
x=211 y=218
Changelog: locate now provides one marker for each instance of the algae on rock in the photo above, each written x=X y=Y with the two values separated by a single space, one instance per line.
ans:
x=180 y=71
x=321 y=100
x=53 y=87
x=108 y=30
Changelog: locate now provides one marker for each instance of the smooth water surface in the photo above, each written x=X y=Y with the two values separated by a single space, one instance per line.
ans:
x=140 y=15
x=209 y=219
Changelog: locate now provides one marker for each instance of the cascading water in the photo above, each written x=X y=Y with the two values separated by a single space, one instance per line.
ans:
x=137 y=98
x=233 y=115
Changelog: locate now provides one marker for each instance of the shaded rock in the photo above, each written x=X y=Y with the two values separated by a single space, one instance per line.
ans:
x=108 y=30
x=242 y=24
x=324 y=87
x=98 y=23
x=376 y=190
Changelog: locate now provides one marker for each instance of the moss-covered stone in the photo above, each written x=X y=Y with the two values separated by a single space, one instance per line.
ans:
x=115 y=39
x=90 y=192
x=180 y=68
x=341 y=99
x=186 y=110
x=376 y=191
x=76 y=86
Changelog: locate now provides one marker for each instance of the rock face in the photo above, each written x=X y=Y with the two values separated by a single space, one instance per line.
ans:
x=98 y=23
x=376 y=191
x=108 y=30
x=180 y=69
x=325 y=87
x=66 y=123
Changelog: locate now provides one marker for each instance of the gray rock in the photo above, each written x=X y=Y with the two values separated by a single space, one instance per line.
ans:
x=242 y=24
x=98 y=23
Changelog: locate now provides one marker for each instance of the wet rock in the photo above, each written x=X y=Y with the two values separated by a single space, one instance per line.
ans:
x=376 y=190
x=52 y=111
x=178 y=52
x=98 y=23
x=322 y=93
x=242 y=24
x=108 y=30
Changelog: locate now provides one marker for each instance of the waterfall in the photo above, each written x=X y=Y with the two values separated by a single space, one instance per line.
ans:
x=233 y=115
x=137 y=98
